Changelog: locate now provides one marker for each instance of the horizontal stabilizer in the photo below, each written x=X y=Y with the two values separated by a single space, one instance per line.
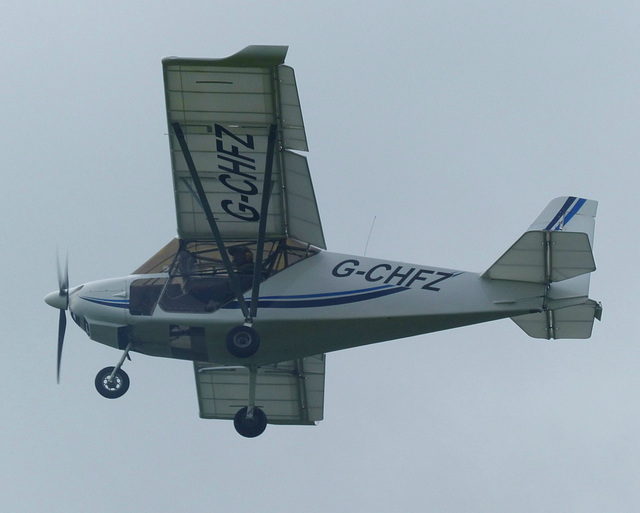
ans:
x=544 y=257
x=572 y=322
x=556 y=247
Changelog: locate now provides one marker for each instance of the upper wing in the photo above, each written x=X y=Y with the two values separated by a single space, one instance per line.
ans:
x=226 y=108
x=288 y=392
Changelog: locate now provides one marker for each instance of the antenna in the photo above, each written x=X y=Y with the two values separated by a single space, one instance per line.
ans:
x=369 y=237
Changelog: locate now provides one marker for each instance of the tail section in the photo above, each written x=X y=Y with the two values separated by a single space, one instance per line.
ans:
x=556 y=251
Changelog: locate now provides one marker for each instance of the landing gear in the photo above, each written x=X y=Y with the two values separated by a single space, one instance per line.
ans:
x=113 y=382
x=243 y=341
x=250 y=423
x=112 y=385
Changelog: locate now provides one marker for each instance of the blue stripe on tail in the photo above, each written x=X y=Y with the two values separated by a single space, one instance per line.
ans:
x=566 y=213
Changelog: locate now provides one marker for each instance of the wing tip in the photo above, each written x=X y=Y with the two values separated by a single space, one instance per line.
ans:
x=261 y=56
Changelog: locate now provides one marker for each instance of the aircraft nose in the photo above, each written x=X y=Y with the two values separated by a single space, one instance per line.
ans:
x=56 y=300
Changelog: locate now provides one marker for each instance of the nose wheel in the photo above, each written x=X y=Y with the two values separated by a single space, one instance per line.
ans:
x=112 y=385
x=113 y=382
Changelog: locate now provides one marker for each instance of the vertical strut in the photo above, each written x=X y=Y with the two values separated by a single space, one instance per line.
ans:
x=253 y=376
x=117 y=367
x=547 y=257
x=551 y=332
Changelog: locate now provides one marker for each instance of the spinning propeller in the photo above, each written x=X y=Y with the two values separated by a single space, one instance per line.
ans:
x=60 y=300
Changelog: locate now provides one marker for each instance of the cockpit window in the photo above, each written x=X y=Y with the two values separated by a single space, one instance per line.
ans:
x=144 y=295
x=198 y=280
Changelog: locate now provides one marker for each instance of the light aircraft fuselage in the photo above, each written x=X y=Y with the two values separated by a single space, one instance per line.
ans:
x=326 y=302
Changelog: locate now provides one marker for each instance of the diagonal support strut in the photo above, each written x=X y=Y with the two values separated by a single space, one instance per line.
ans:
x=235 y=283
x=262 y=228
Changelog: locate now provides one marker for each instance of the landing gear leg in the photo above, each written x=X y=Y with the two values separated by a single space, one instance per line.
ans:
x=250 y=421
x=113 y=382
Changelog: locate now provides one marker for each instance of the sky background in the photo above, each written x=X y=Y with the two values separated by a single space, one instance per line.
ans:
x=452 y=124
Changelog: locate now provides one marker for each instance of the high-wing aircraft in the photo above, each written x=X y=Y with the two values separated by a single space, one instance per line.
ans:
x=247 y=290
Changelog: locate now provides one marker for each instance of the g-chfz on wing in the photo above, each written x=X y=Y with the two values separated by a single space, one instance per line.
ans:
x=240 y=118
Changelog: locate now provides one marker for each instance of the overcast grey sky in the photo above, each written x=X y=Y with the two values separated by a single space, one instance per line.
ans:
x=453 y=123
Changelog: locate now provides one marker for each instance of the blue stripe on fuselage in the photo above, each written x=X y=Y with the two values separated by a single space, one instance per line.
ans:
x=295 y=301
x=325 y=299
x=116 y=303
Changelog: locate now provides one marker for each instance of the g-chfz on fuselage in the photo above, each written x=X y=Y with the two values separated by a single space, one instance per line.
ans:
x=247 y=291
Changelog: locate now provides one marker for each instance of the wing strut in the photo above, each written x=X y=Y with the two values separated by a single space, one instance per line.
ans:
x=264 y=206
x=235 y=284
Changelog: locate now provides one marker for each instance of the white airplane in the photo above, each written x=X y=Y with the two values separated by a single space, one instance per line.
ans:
x=249 y=294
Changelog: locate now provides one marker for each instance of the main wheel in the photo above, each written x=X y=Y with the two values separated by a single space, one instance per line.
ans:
x=112 y=389
x=250 y=428
x=243 y=341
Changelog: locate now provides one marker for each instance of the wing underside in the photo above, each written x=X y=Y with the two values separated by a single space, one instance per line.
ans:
x=288 y=392
x=230 y=111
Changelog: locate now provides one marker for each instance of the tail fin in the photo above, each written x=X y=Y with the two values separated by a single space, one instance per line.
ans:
x=556 y=248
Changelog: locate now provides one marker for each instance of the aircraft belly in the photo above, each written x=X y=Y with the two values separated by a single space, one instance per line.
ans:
x=309 y=333
x=314 y=337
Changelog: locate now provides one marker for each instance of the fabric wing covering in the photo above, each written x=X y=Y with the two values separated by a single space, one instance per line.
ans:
x=225 y=108
x=288 y=392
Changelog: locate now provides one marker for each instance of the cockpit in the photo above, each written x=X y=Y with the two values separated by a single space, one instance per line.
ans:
x=197 y=281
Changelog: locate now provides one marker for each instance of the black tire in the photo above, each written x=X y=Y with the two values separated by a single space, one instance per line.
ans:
x=250 y=428
x=115 y=388
x=243 y=341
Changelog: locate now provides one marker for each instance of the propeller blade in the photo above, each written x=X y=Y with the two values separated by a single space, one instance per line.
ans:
x=62 y=326
x=63 y=278
x=63 y=293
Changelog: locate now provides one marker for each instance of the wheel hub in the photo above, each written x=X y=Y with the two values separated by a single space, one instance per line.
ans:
x=242 y=340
